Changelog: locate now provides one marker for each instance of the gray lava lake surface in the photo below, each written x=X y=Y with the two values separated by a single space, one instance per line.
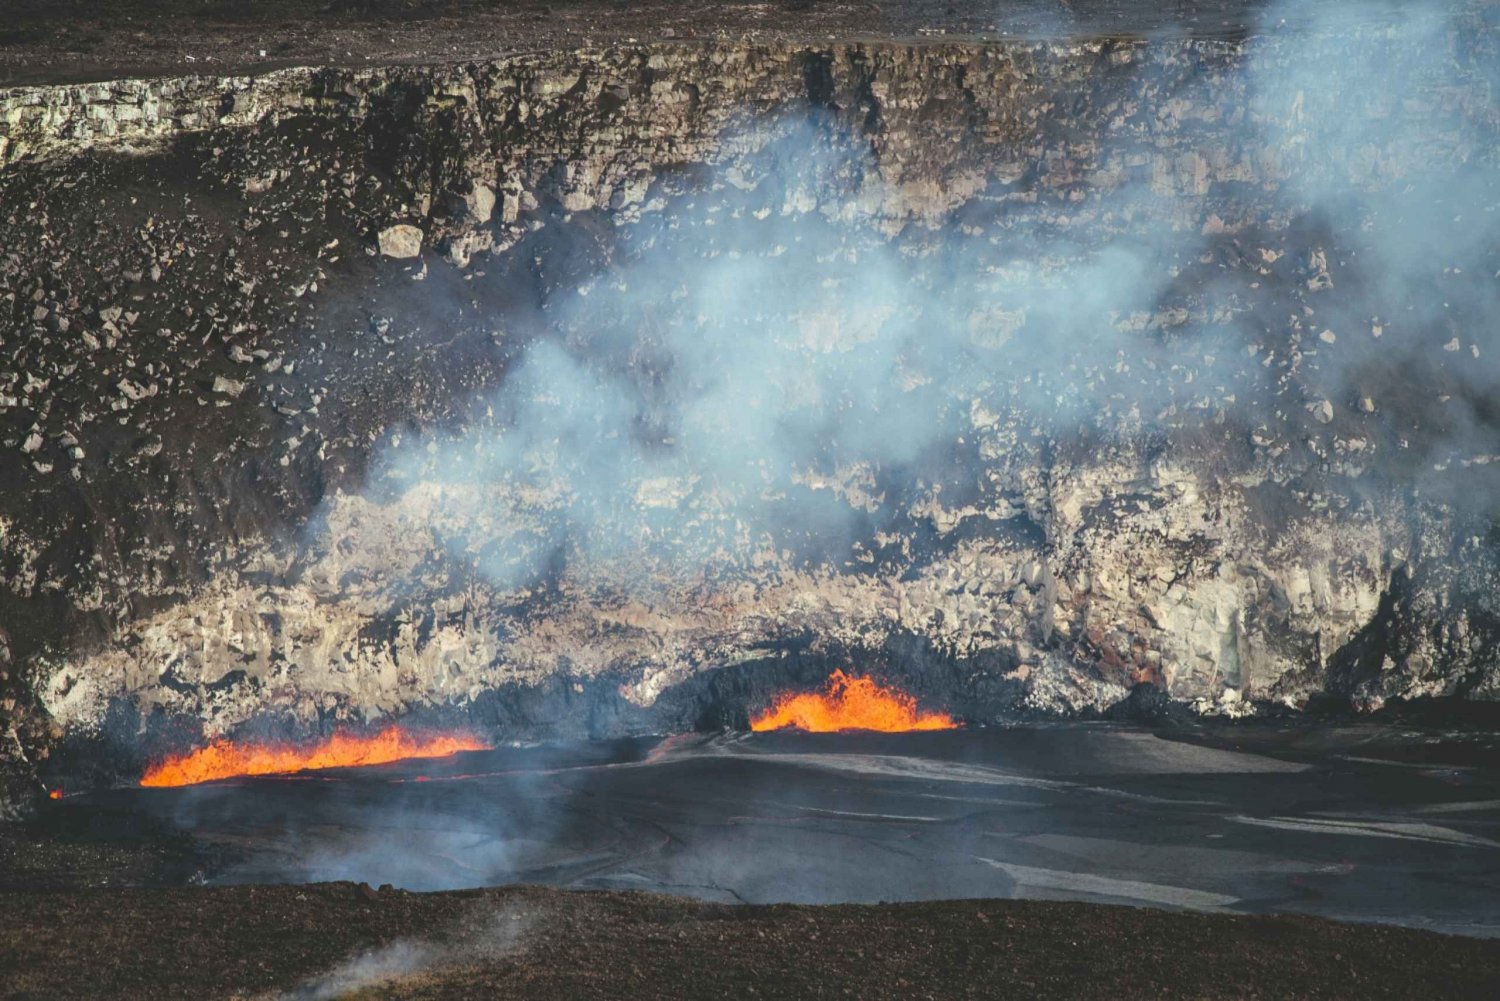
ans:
x=1358 y=822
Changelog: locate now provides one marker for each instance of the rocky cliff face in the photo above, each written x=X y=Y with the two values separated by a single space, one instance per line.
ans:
x=1156 y=410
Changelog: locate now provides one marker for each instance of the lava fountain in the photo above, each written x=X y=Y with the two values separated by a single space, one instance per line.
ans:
x=224 y=759
x=850 y=703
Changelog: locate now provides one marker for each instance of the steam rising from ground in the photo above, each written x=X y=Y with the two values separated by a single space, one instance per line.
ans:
x=758 y=374
x=497 y=936
x=369 y=969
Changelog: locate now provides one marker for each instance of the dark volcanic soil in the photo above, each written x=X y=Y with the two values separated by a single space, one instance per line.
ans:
x=331 y=939
x=68 y=40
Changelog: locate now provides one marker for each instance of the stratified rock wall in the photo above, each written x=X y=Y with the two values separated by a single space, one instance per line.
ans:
x=224 y=295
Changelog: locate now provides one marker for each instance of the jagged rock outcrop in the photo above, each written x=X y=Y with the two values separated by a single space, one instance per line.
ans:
x=210 y=340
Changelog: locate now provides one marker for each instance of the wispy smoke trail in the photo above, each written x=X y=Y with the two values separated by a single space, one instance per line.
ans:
x=502 y=935
x=765 y=375
x=369 y=969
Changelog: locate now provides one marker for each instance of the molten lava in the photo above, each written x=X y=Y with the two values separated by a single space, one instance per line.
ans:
x=850 y=703
x=224 y=759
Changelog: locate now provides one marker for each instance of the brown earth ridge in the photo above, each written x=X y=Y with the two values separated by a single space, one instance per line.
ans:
x=342 y=940
x=61 y=41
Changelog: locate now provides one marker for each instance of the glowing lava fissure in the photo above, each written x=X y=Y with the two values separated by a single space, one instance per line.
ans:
x=224 y=759
x=850 y=703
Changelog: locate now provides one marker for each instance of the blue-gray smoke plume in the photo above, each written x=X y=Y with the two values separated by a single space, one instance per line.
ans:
x=762 y=373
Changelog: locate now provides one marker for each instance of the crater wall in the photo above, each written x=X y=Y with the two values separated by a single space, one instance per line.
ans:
x=236 y=308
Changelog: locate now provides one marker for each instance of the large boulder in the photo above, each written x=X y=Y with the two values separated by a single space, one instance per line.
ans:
x=401 y=241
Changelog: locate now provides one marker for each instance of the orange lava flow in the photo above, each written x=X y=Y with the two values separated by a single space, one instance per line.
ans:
x=850 y=703
x=224 y=759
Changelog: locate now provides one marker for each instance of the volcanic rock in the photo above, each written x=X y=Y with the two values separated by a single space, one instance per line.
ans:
x=479 y=203
x=401 y=241
x=228 y=387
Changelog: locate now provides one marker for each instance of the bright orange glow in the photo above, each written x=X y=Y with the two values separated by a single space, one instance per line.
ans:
x=224 y=759
x=850 y=703
x=54 y=794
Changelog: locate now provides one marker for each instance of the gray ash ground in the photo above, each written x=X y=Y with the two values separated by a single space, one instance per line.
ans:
x=1376 y=823
x=1357 y=822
